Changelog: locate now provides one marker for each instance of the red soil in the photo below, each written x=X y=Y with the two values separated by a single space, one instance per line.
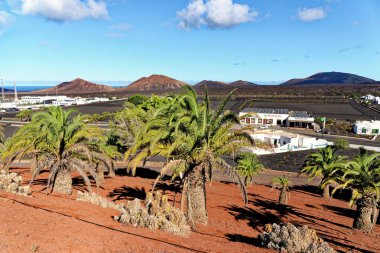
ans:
x=57 y=223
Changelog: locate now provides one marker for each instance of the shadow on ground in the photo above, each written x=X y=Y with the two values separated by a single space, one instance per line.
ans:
x=127 y=193
x=264 y=211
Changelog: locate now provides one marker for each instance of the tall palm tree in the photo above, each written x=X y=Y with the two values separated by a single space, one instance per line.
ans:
x=61 y=142
x=322 y=163
x=248 y=166
x=2 y=146
x=362 y=176
x=191 y=133
x=283 y=184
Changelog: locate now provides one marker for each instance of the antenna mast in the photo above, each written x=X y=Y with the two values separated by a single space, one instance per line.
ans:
x=15 y=92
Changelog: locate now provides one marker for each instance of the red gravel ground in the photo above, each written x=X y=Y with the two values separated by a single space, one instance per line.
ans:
x=57 y=223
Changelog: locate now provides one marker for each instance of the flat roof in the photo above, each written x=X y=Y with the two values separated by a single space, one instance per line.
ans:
x=266 y=110
x=299 y=114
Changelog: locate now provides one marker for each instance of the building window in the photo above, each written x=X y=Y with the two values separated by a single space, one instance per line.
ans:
x=246 y=120
x=253 y=121
x=260 y=121
x=270 y=121
x=364 y=131
x=375 y=131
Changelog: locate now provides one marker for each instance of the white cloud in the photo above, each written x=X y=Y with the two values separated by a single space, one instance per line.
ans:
x=64 y=10
x=311 y=14
x=215 y=14
x=5 y=20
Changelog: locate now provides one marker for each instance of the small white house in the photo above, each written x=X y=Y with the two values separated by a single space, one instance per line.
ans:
x=377 y=100
x=286 y=142
x=367 y=127
x=369 y=97
x=276 y=116
x=264 y=116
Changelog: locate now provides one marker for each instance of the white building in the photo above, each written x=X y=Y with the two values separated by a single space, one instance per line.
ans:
x=281 y=142
x=367 y=127
x=40 y=99
x=65 y=102
x=272 y=116
x=263 y=116
x=368 y=97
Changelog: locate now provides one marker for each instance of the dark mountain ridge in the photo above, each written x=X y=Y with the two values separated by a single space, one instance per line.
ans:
x=331 y=78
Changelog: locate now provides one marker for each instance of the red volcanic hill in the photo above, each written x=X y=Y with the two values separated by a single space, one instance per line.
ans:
x=154 y=82
x=76 y=86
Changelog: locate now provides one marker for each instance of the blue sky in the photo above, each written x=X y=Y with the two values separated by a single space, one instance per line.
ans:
x=190 y=40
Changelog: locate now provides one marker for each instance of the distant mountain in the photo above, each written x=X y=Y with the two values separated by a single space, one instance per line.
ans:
x=240 y=83
x=76 y=86
x=211 y=84
x=326 y=78
x=154 y=82
x=217 y=84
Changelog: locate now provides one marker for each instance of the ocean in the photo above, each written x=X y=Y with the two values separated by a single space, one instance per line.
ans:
x=27 y=88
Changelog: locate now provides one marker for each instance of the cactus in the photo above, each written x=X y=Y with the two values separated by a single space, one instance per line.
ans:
x=98 y=200
x=156 y=214
x=12 y=182
x=292 y=239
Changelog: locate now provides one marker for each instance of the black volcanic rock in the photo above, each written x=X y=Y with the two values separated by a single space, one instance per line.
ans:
x=329 y=78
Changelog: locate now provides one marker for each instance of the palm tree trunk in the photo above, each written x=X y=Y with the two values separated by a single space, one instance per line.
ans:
x=196 y=204
x=63 y=182
x=364 y=214
x=326 y=192
x=100 y=177
x=111 y=172
x=33 y=164
x=283 y=199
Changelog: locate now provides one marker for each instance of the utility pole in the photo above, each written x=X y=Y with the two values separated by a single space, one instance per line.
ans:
x=2 y=89
x=15 y=91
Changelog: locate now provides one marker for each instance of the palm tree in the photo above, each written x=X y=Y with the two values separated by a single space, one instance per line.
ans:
x=283 y=184
x=362 y=176
x=191 y=133
x=104 y=155
x=61 y=142
x=322 y=163
x=248 y=166
x=24 y=115
x=2 y=147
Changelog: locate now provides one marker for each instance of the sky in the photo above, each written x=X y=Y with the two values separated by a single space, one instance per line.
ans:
x=190 y=40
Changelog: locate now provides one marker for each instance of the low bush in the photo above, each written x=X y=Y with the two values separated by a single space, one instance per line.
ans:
x=292 y=239
x=12 y=182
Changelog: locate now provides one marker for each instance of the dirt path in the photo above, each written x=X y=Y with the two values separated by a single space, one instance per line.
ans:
x=57 y=223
